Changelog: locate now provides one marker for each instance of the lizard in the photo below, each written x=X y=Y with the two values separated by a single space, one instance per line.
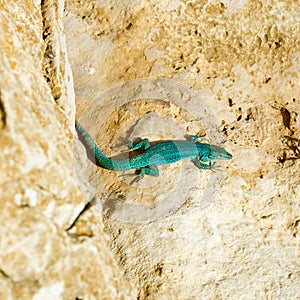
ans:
x=151 y=156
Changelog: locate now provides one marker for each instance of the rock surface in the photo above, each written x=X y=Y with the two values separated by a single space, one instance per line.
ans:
x=45 y=251
x=227 y=70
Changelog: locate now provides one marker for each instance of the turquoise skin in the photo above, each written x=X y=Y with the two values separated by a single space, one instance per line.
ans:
x=162 y=153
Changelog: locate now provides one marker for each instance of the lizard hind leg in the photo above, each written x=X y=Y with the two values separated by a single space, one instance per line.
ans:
x=143 y=145
x=150 y=170
x=137 y=177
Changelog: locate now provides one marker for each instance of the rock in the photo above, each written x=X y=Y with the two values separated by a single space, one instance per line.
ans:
x=228 y=70
x=44 y=252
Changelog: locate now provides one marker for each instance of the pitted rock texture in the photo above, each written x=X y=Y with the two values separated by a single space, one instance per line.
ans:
x=242 y=57
x=45 y=251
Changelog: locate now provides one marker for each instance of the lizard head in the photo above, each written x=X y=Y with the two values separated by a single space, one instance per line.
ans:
x=214 y=153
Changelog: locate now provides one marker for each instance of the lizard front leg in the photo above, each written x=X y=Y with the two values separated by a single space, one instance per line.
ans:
x=201 y=165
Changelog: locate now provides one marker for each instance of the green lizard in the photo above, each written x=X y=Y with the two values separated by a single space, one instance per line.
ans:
x=164 y=152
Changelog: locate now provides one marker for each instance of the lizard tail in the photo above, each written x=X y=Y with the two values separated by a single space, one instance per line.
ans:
x=93 y=152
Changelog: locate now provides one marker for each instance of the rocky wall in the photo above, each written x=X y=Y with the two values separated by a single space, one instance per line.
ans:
x=225 y=70
x=42 y=255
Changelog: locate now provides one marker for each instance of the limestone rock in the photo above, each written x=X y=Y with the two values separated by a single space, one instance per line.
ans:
x=44 y=252
x=228 y=70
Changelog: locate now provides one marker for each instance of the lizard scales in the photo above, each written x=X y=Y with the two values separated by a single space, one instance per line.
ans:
x=164 y=152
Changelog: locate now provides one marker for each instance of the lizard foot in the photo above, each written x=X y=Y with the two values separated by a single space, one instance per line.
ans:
x=201 y=165
x=194 y=138
x=137 y=178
